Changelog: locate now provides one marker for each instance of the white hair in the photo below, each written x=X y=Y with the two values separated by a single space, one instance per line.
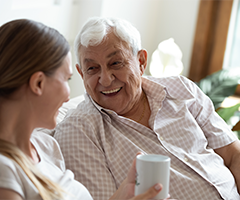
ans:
x=94 y=31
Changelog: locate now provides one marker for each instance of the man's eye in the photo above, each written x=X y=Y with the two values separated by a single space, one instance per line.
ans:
x=92 y=70
x=117 y=64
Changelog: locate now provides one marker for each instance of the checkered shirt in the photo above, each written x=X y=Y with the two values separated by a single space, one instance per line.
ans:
x=99 y=145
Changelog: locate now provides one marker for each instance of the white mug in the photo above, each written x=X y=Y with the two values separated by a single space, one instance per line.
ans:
x=152 y=169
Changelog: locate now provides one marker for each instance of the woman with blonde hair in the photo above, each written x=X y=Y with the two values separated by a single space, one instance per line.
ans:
x=35 y=66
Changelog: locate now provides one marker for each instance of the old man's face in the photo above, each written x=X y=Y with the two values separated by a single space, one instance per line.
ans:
x=112 y=74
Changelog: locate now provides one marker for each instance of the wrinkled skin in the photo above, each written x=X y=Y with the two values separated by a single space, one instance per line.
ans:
x=112 y=75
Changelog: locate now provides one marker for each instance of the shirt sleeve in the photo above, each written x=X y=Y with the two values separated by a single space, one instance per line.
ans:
x=214 y=127
x=84 y=155
x=10 y=174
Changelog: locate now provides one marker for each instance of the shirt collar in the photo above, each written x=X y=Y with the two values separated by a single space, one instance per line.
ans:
x=106 y=112
x=147 y=84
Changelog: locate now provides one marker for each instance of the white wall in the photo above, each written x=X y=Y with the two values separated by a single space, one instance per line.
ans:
x=156 y=20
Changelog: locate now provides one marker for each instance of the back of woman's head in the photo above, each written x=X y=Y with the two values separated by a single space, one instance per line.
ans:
x=26 y=47
x=95 y=30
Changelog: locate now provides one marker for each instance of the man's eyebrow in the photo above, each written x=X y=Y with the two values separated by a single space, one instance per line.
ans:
x=88 y=60
x=113 y=53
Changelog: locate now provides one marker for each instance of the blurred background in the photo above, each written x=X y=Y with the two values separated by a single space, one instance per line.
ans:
x=157 y=20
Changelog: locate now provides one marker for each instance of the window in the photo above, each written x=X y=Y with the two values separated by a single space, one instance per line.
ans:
x=232 y=53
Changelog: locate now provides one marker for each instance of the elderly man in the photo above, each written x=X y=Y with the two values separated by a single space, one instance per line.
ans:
x=124 y=113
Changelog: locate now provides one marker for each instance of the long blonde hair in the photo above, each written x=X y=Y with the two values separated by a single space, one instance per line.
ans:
x=47 y=189
x=26 y=47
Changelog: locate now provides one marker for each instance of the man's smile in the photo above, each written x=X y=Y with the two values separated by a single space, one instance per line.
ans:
x=112 y=91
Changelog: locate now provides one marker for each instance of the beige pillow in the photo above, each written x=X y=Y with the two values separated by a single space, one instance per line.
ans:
x=71 y=104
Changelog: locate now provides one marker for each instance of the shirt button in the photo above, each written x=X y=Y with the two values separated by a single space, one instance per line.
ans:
x=161 y=138
x=186 y=159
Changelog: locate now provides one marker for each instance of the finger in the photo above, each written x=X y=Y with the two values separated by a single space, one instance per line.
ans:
x=132 y=171
x=169 y=197
x=135 y=159
x=150 y=193
x=140 y=153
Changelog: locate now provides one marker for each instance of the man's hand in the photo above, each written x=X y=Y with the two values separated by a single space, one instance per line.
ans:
x=126 y=189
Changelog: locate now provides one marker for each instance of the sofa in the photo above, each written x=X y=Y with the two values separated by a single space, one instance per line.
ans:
x=68 y=106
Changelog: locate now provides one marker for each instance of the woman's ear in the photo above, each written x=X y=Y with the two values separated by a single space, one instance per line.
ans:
x=36 y=83
x=142 y=58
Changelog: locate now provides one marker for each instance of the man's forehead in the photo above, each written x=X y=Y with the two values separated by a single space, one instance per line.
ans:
x=90 y=58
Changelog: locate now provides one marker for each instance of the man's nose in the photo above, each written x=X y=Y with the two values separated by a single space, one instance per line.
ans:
x=106 y=77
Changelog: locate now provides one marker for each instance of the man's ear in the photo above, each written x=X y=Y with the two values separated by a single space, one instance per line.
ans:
x=142 y=58
x=79 y=70
x=36 y=83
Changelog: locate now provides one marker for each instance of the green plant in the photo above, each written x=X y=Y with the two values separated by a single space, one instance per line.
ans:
x=219 y=86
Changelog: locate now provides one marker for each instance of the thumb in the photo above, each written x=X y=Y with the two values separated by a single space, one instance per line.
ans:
x=132 y=171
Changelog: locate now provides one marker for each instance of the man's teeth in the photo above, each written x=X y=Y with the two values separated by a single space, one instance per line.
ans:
x=111 y=91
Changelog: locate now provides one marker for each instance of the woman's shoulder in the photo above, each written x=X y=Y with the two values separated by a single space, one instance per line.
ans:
x=11 y=175
x=9 y=169
x=48 y=148
x=6 y=162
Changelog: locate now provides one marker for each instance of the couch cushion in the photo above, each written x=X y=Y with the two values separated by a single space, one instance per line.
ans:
x=71 y=104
